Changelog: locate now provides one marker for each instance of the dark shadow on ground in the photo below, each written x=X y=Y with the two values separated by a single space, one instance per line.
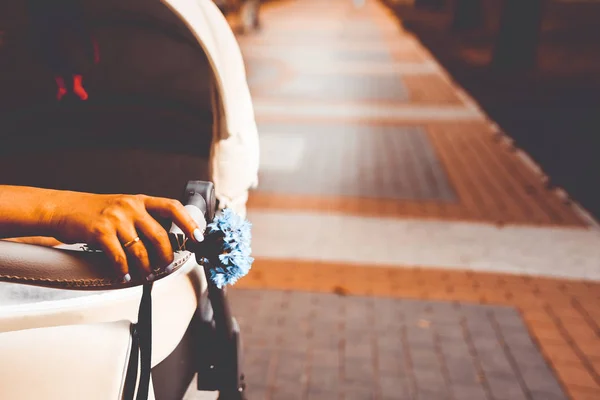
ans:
x=553 y=113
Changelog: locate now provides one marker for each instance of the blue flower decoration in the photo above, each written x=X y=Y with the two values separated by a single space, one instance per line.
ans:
x=231 y=235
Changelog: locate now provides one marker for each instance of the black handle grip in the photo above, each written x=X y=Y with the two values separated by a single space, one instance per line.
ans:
x=202 y=195
x=196 y=199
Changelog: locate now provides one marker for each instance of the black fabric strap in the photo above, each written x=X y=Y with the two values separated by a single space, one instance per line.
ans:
x=145 y=335
x=132 y=368
x=141 y=346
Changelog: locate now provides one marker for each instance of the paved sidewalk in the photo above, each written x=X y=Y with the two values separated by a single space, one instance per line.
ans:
x=382 y=181
x=561 y=315
x=322 y=346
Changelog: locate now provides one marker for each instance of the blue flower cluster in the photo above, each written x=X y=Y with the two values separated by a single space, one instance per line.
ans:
x=234 y=258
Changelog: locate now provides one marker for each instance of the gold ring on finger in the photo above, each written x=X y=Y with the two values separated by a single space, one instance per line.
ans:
x=131 y=242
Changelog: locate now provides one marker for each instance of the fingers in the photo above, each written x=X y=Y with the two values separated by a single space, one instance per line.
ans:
x=175 y=211
x=137 y=254
x=127 y=217
x=136 y=251
x=113 y=249
x=157 y=237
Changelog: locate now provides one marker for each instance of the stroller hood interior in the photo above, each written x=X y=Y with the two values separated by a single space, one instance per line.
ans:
x=168 y=102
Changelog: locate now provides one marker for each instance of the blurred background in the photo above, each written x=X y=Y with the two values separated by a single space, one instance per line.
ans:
x=425 y=221
x=425 y=225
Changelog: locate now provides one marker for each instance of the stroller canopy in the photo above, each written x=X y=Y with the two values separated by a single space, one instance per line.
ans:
x=170 y=84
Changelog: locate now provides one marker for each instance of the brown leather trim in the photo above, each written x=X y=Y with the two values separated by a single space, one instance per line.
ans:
x=66 y=269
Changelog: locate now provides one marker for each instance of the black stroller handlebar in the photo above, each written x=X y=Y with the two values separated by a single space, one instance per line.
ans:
x=201 y=194
x=221 y=368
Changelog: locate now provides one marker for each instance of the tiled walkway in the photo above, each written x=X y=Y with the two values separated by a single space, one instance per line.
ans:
x=322 y=346
x=382 y=181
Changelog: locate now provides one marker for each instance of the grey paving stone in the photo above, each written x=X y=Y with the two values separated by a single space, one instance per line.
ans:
x=438 y=349
x=314 y=394
x=337 y=87
x=455 y=349
x=261 y=341
x=527 y=357
x=397 y=396
x=288 y=392
x=462 y=371
x=358 y=316
x=517 y=338
x=389 y=341
x=410 y=164
x=508 y=318
x=469 y=392
x=291 y=367
x=258 y=356
x=326 y=358
x=430 y=379
x=481 y=327
x=494 y=361
x=419 y=337
x=505 y=386
x=324 y=341
x=294 y=341
x=269 y=320
x=389 y=312
x=391 y=365
x=359 y=392
x=548 y=396
x=450 y=333
x=424 y=358
x=394 y=387
x=433 y=394
x=487 y=344
x=358 y=370
x=324 y=379
x=328 y=301
x=256 y=392
x=324 y=314
x=541 y=379
x=325 y=326
x=474 y=310
x=443 y=314
x=256 y=374
x=358 y=349
x=362 y=334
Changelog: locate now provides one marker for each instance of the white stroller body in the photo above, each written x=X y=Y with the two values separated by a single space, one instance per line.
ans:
x=58 y=343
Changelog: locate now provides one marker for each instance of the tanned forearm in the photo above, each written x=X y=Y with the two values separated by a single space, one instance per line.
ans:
x=26 y=211
x=103 y=220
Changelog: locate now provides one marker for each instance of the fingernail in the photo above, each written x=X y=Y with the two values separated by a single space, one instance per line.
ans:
x=198 y=235
x=127 y=278
x=150 y=277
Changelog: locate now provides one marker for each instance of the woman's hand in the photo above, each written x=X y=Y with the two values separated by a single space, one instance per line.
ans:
x=113 y=222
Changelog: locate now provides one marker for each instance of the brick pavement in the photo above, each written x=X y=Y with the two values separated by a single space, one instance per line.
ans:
x=302 y=345
x=490 y=180
x=325 y=79
x=338 y=323
x=561 y=315
x=387 y=162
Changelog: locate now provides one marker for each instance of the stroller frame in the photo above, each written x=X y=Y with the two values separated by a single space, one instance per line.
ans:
x=212 y=335
x=210 y=347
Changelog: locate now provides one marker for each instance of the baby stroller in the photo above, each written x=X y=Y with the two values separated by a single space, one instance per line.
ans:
x=168 y=109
